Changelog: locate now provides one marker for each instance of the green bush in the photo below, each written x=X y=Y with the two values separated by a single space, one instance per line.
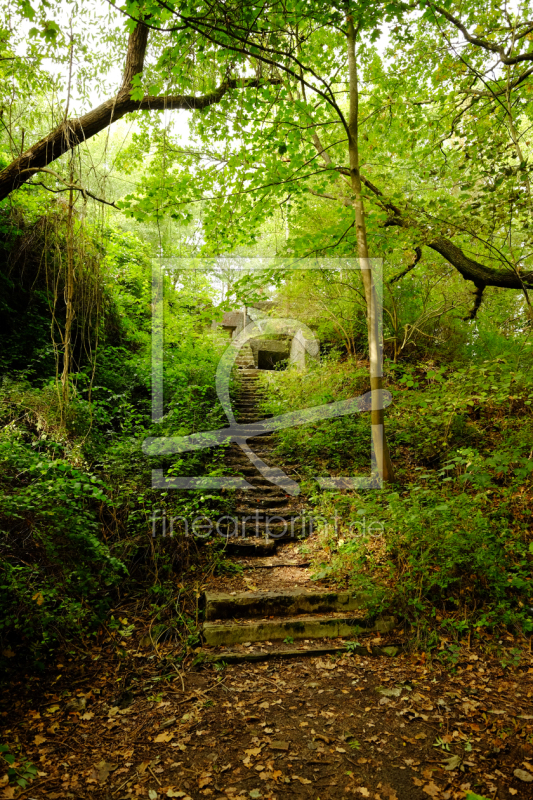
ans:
x=55 y=570
x=451 y=557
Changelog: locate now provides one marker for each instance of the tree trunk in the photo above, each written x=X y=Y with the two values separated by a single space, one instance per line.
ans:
x=381 y=450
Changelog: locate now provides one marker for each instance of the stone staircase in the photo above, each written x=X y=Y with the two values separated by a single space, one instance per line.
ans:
x=282 y=603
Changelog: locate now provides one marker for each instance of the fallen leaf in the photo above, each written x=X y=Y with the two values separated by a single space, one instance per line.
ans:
x=264 y=705
x=285 y=745
x=389 y=692
x=432 y=789
x=152 y=794
x=204 y=779
x=255 y=794
x=101 y=771
x=253 y=751
x=87 y=715
x=452 y=763
x=305 y=781
x=325 y=665
x=363 y=790
x=39 y=739
x=522 y=775
x=166 y=736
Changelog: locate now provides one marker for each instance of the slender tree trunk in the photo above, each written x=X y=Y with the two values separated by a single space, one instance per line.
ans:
x=69 y=305
x=381 y=450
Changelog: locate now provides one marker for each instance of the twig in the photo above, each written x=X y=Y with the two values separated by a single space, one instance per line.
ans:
x=37 y=785
x=180 y=675
x=154 y=775
x=121 y=785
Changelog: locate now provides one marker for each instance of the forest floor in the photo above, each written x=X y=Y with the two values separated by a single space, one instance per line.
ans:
x=119 y=721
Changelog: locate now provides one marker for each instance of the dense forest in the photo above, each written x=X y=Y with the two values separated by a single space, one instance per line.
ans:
x=364 y=168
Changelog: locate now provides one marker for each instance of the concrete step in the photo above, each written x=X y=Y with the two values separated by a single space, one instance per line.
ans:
x=281 y=603
x=264 y=510
x=251 y=548
x=242 y=466
x=216 y=634
x=251 y=527
x=281 y=651
x=266 y=502
x=264 y=492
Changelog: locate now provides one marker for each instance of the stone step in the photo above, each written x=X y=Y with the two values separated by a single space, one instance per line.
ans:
x=242 y=467
x=216 y=634
x=280 y=651
x=256 y=547
x=263 y=492
x=266 y=502
x=281 y=603
x=285 y=512
x=251 y=527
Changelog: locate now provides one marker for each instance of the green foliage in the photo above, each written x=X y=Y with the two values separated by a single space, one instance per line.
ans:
x=52 y=561
x=76 y=510
x=19 y=772
x=450 y=546
x=449 y=554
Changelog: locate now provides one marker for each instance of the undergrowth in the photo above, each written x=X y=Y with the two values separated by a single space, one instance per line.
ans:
x=449 y=546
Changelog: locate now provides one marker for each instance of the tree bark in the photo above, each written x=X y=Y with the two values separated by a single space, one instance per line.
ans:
x=73 y=132
x=470 y=269
x=381 y=450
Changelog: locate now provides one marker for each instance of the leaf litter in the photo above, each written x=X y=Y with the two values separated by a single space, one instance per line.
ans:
x=121 y=728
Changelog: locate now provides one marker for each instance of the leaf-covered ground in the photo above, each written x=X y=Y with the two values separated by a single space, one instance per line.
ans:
x=131 y=722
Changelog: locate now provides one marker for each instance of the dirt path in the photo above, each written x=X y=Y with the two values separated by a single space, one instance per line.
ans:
x=308 y=727
x=124 y=721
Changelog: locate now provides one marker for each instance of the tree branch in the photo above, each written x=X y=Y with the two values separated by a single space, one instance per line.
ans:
x=73 y=132
x=483 y=43
x=470 y=270
x=418 y=256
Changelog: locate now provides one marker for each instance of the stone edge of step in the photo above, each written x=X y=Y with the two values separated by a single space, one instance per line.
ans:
x=234 y=657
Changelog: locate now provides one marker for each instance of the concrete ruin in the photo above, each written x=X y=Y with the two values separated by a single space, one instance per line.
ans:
x=298 y=348
x=303 y=350
x=269 y=352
